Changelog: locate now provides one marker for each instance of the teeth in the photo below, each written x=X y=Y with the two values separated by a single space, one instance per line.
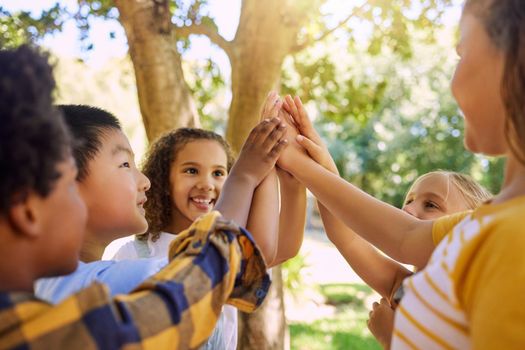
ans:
x=202 y=201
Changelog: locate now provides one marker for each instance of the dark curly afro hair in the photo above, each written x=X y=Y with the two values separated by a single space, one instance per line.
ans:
x=33 y=137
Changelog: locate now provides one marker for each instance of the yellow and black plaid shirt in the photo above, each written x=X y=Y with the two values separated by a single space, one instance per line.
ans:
x=213 y=262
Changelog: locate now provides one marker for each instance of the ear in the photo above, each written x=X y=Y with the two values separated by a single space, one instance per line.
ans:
x=24 y=216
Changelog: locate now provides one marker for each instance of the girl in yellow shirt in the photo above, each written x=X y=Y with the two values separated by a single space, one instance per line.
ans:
x=468 y=294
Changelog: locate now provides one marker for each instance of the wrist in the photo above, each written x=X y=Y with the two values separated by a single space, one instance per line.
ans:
x=244 y=178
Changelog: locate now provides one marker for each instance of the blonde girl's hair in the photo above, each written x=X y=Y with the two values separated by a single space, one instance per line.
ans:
x=473 y=193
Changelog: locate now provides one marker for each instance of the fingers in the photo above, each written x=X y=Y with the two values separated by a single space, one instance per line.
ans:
x=266 y=134
x=313 y=150
x=301 y=112
x=292 y=109
x=385 y=302
x=305 y=123
x=277 y=149
x=269 y=105
x=275 y=108
x=276 y=134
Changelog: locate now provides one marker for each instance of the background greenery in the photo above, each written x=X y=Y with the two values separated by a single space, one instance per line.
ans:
x=377 y=89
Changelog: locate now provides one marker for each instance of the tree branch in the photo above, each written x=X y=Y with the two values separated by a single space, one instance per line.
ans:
x=210 y=30
x=311 y=41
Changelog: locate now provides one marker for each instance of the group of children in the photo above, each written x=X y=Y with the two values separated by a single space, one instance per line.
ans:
x=70 y=187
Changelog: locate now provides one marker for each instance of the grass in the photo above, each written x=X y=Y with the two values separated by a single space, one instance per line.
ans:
x=345 y=330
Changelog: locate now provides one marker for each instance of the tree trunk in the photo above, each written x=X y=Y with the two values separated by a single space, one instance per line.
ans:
x=164 y=98
x=267 y=32
x=265 y=328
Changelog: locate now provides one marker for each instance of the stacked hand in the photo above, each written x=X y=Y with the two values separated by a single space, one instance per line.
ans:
x=381 y=322
x=303 y=139
x=307 y=140
x=261 y=150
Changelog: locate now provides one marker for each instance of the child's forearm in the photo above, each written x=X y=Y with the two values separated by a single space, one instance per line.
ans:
x=292 y=219
x=378 y=271
x=236 y=198
x=395 y=232
x=263 y=220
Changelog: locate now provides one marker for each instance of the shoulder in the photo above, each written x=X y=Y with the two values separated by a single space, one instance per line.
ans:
x=55 y=289
x=160 y=247
x=443 y=226
x=122 y=248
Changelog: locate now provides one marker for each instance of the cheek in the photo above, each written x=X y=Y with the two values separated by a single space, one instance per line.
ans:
x=179 y=192
x=457 y=84
x=219 y=186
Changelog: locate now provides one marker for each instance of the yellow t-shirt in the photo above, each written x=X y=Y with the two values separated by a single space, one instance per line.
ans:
x=470 y=295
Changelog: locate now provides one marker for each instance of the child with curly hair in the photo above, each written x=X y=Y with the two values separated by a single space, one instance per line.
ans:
x=43 y=225
x=187 y=168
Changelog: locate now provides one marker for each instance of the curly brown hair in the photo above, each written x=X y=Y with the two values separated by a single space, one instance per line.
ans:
x=157 y=165
x=504 y=21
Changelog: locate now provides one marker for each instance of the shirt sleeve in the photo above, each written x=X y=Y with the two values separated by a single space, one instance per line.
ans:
x=120 y=249
x=493 y=289
x=444 y=225
x=213 y=262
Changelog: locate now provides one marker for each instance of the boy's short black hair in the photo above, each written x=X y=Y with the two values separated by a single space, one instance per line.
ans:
x=33 y=137
x=87 y=125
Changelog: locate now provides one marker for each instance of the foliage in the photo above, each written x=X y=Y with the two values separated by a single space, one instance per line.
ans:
x=345 y=293
x=292 y=274
x=344 y=330
x=387 y=119
x=207 y=84
x=21 y=27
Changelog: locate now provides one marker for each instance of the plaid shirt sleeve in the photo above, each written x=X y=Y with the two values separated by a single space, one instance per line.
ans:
x=213 y=262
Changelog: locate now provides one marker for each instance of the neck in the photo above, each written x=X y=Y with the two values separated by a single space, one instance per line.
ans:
x=92 y=249
x=514 y=182
x=15 y=279
x=19 y=267
x=178 y=223
x=176 y=227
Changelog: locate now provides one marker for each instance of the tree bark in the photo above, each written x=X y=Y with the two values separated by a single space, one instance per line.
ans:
x=265 y=328
x=164 y=98
x=267 y=33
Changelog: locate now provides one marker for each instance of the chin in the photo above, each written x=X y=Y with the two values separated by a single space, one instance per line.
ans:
x=140 y=228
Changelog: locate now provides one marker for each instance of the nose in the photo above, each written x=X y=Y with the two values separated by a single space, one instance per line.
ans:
x=205 y=183
x=144 y=182
x=410 y=209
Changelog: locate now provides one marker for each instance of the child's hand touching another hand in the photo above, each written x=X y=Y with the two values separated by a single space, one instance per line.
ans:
x=381 y=322
x=261 y=150
x=272 y=106
x=309 y=139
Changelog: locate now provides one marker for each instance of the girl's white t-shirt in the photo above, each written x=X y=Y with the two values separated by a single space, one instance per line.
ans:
x=132 y=248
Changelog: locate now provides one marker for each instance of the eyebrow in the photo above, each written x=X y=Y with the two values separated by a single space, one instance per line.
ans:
x=434 y=195
x=428 y=194
x=197 y=164
x=122 y=149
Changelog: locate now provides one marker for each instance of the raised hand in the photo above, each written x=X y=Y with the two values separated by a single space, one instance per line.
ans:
x=308 y=137
x=261 y=150
x=272 y=105
x=381 y=322
x=295 y=108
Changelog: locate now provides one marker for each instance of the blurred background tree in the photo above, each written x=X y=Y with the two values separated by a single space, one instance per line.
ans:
x=374 y=73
